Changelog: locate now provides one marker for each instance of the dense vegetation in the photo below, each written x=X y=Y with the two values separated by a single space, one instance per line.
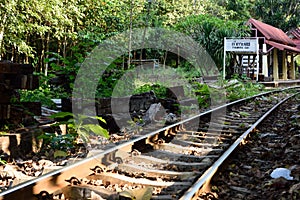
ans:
x=57 y=35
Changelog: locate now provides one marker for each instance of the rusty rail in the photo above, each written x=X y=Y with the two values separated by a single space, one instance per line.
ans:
x=54 y=182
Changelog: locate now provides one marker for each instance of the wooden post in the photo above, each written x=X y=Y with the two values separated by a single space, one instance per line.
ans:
x=275 y=65
x=284 y=66
x=265 y=62
x=257 y=59
x=293 y=73
x=224 y=60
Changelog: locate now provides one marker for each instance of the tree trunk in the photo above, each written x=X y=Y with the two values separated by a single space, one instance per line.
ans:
x=58 y=50
x=64 y=48
x=47 y=56
x=130 y=34
x=2 y=28
x=1 y=42
x=41 y=59
x=165 y=59
x=12 y=54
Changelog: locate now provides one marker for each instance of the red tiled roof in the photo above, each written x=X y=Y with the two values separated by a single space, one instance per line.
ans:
x=271 y=33
x=297 y=42
x=283 y=46
x=295 y=33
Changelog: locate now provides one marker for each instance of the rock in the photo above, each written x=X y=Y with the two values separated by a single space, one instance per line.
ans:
x=295 y=117
x=171 y=118
x=278 y=183
x=151 y=112
x=295 y=170
x=295 y=189
x=231 y=83
x=271 y=135
x=240 y=189
x=207 y=161
x=45 y=163
x=295 y=139
x=8 y=172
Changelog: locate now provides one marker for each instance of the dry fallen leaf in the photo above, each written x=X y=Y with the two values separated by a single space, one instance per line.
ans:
x=138 y=194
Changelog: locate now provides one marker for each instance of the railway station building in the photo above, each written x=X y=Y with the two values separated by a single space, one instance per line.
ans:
x=274 y=57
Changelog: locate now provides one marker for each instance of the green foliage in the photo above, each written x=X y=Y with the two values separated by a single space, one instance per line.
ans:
x=159 y=90
x=81 y=125
x=297 y=58
x=243 y=89
x=244 y=114
x=284 y=14
x=30 y=29
x=242 y=125
x=62 y=145
x=59 y=153
x=62 y=115
x=2 y=161
x=209 y=31
x=175 y=11
x=109 y=79
x=44 y=93
x=188 y=71
x=238 y=9
x=56 y=36
x=202 y=92
x=58 y=142
x=27 y=22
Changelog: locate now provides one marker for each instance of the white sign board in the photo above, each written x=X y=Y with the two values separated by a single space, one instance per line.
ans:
x=241 y=44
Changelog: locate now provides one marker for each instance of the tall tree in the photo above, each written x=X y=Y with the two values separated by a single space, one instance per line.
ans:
x=210 y=31
x=283 y=14
x=239 y=9
x=30 y=26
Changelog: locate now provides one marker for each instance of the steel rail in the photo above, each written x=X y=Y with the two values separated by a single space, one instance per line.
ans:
x=209 y=173
x=55 y=180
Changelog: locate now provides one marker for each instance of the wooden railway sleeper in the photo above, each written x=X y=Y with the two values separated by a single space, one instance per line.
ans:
x=73 y=181
x=98 y=169
x=155 y=141
x=171 y=131
x=44 y=195
x=152 y=140
x=135 y=152
x=160 y=141
x=6 y=179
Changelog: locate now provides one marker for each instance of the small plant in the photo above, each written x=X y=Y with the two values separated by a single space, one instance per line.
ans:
x=242 y=125
x=64 y=144
x=136 y=126
x=2 y=162
x=58 y=143
x=203 y=94
x=159 y=90
x=244 y=114
x=81 y=125
x=242 y=89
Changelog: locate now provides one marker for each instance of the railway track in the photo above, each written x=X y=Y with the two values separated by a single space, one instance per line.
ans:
x=173 y=162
